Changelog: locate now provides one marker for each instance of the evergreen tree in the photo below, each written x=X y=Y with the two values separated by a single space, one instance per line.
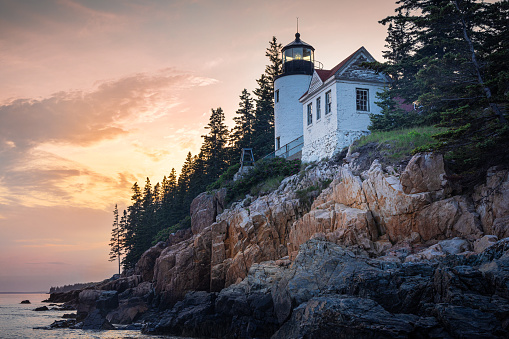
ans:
x=133 y=225
x=391 y=116
x=198 y=178
x=242 y=132
x=214 y=147
x=117 y=239
x=452 y=56
x=263 y=126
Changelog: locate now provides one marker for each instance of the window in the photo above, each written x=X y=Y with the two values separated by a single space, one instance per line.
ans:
x=328 y=102
x=318 y=108
x=362 y=99
x=278 y=143
x=310 y=113
x=276 y=96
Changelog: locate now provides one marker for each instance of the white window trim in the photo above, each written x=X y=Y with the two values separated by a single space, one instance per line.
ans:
x=309 y=111
x=357 y=90
x=328 y=104
x=318 y=108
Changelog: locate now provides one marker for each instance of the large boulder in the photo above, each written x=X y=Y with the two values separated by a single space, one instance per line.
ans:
x=145 y=266
x=183 y=267
x=204 y=209
x=425 y=172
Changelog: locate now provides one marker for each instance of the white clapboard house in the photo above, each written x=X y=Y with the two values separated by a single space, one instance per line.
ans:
x=318 y=112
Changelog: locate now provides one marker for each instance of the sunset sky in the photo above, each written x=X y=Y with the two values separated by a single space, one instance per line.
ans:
x=98 y=94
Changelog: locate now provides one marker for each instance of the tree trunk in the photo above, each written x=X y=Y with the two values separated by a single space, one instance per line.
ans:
x=480 y=80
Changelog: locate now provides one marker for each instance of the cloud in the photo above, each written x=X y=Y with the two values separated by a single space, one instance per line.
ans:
x=82 y=118
x=31 y=175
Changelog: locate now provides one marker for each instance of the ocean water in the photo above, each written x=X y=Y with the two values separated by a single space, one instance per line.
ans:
x=17 y=321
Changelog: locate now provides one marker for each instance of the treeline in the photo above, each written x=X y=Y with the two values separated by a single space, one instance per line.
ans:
x=451 y=59
x=164 y=207
x=67 y=288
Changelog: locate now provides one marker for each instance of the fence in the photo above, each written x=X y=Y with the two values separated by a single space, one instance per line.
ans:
x=287 y=150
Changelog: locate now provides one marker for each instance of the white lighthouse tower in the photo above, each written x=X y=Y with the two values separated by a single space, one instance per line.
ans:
x=298 y=66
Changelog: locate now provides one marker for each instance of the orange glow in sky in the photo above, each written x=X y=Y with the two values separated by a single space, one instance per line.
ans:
x=96 y=95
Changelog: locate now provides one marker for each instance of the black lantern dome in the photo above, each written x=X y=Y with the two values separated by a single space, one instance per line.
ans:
x=298 y=57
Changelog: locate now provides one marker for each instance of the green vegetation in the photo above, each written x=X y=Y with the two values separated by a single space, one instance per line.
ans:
x=450 y=58
x=224 y=178
x=264 y=177
x=399 y=143
x=163 y=234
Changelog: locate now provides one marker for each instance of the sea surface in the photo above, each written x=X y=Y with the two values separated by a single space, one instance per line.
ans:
x=18 y=321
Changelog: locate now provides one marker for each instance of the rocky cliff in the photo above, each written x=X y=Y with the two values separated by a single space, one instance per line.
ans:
x=381 y=252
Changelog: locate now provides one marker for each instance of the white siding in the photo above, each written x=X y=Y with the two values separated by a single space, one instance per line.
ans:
x=343 y=125
x=288 y=120
x=320 y=137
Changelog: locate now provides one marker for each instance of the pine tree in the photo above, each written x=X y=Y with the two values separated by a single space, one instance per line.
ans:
x=263 y=126
x=117 y=239
x=133 y=225
x=454 y=70
x=214 y=147
x=242 y=133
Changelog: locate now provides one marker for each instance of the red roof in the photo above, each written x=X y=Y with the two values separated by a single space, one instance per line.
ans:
x=342 y=63
x=325 y=74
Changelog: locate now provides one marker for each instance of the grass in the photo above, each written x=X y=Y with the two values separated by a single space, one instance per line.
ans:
x=399 y=143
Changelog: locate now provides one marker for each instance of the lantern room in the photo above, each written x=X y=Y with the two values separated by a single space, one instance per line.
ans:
x=298 y=57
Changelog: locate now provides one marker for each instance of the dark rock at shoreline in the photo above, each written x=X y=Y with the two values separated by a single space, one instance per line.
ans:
x=42 y=308
x=25 y=302
x=96 y=321
x=63 y=297
x=69 y=316
x=69 y=323
x=330 y=292
x=64 y=308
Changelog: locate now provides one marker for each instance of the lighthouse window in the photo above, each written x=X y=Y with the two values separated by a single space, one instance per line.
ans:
x=310 y=113
x=308 y=54
x=297 y=53
x=288 y=55
x=362 y=99
x=318 y=108
x=328 y=102
x=276 y=96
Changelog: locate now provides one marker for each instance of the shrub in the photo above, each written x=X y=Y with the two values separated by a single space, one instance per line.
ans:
x=164 y=234
x=275 y=169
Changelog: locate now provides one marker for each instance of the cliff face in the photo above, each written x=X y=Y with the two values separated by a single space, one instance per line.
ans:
x=385 y=227
x=375 y=212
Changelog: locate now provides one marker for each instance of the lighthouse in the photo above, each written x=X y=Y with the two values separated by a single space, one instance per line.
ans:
x=289 y=87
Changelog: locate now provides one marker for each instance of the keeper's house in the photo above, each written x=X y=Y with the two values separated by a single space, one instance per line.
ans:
x=322 y=111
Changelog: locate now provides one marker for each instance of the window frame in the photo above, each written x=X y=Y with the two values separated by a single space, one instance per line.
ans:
x=310 y=113
x=328 y=102
x=318 y=108
x=362 y=99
